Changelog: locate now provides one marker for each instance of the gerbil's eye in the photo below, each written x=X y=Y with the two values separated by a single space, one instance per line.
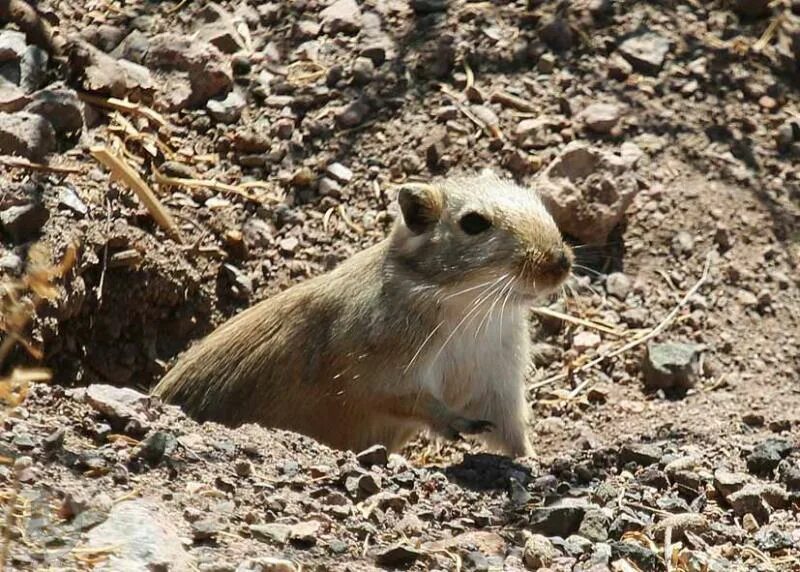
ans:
x=474 y=223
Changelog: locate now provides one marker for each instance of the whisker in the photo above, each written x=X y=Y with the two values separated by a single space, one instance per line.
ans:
x=587 y=269
x=486 y=317
x=476 y=306
x=508 y=295
x=470 y=289
x=422 y=345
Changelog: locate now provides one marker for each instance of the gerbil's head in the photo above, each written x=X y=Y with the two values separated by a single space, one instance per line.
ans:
x=480 y=234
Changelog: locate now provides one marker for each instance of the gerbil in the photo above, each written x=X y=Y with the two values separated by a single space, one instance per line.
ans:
x=426 y=329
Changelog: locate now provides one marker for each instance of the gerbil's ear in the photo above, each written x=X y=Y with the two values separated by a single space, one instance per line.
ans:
x=421 y=206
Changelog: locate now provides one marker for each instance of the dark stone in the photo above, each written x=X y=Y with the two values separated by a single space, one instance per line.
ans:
x=375 y=455
x=767 y=455
x=643 y=454
x=644 y=558
x=157 y=445
x=559 y=519
x=22 y=223
x=398 y=555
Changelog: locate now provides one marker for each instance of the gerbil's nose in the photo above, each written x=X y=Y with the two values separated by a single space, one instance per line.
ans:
x=560 y=260
x=563 y=260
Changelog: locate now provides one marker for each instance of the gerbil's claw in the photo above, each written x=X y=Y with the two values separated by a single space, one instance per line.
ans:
x=471 y=426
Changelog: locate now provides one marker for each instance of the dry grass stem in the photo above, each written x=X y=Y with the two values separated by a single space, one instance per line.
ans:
x=549 y=312
x=15 y=163
x=123 y=172
x=126 y=107
x=668 y=319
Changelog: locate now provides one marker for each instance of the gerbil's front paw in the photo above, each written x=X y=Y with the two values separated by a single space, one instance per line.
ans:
x=462 y=425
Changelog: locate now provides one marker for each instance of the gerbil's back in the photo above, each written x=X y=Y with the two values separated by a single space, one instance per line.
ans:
x=264 y=365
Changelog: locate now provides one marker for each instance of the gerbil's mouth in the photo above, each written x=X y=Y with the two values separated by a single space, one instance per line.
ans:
x=544 y=272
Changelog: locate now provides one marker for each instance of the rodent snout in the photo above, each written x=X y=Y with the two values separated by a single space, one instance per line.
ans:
x=557 y=262
x=563 y=259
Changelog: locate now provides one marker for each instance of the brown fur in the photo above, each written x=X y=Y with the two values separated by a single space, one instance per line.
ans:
x=364 y=354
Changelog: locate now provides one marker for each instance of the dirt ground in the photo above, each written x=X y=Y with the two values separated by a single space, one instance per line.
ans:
x=287 y=124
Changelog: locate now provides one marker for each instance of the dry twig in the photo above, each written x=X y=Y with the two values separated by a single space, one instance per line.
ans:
x=668 y=319
x=122 y=171
x=549 y=312
x=16 y=163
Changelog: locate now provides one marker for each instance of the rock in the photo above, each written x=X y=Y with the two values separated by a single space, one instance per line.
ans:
x=576 y=545
x=671 y=365
x=545 y=354
x=26 y=135
x=205 y=529
x=428 y=6
x=375 y=455
x=275 y=532
x=223 y=36
x=54 y=441
x=683 y=243
x=398 y=555
x=377 y=51
x=618 y=285
x=601 y=117
x=643 y=454
x=341 y=16
x=546 y=63
x=594 y=525
x=585 y=341
x=133 y=47
x=758 y=499
x=556 y=33
x=23 y=222
x=241 y=285
x=12 y=98
x=339 y=172
x=644 y=558
x=635 y=317
x=486 y=542
x=61 y=107
x=181 y=57
x=766 y=455
x=12 y=45
x=363 y=71
x=619 y=68
x=561 y=518
x=538 y=552
x=476 y=562
x=306 y=29
x=267 y=564
x=120 y=405
x=587 y=191
x=72 y=506
x=142 y=540
x=727 y=482
x=646 y=52
x=352 y=114
x=67 y=197
x=753 y=419
x=771 y=540
x=790 y=476
x=362 y=485
x=21 y=64
x=329 y=187
x=680 y=524
x=625 y=523
x=99 y=73
x=751 y=8
x=520 y=163
x=749 y=523
x=156 y=446
x=227 y=110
